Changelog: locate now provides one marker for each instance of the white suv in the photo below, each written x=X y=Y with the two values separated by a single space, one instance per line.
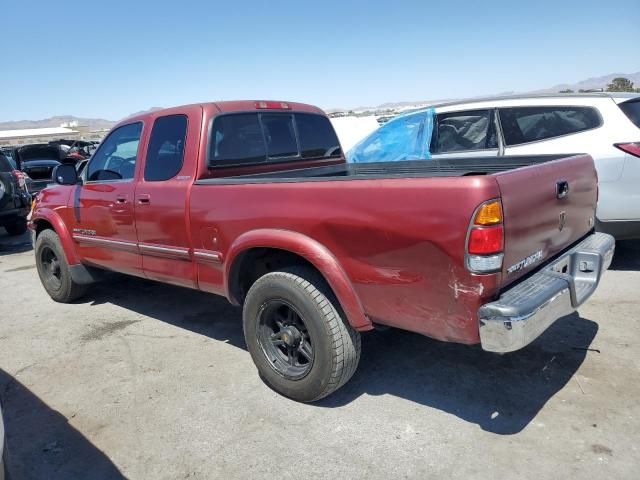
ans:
x=604 y=125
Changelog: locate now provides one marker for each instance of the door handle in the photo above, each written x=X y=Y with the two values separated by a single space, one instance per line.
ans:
x=121 y=199
x=144 y=199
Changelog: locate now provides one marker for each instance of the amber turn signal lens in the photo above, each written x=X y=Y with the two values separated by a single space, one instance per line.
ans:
x=489 y=214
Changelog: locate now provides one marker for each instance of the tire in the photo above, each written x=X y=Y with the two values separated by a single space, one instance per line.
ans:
x=328 y=349
x=19 y=227
x=53 y=269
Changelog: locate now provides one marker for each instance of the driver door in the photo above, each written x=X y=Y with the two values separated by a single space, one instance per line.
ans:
x=102 y=207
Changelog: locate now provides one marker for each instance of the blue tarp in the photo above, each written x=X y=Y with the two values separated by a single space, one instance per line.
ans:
x=406 y=137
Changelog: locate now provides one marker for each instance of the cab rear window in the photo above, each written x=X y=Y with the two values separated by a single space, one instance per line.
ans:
x=255 y=138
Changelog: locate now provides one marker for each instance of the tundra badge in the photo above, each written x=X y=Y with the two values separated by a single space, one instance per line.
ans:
x=530 y=260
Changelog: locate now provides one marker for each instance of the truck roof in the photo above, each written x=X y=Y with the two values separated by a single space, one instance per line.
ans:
x=616 y=96
x=231 y=106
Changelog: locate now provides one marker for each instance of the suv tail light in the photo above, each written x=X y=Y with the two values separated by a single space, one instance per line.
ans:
x=485 y=240
x=632 y=148
x=20 y=177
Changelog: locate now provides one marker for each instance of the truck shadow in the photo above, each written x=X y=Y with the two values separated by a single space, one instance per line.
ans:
x=18 y=244
x=501 y=394
x=627 y=256
x=42 y=444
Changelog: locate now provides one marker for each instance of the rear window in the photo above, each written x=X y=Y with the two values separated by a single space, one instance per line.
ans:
x=280 y=136
x=254 y=138
x=632 y=110
x=529 y=124
x=317 y=136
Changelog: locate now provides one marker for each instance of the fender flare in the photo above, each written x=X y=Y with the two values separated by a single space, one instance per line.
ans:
x=54 y=219
x=312 y=251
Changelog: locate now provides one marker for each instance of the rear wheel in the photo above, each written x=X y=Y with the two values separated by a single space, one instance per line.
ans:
x=17 y=228
x=53 y=269
x=297 y=335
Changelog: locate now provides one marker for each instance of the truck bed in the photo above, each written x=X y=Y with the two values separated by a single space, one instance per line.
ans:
x=450 y=167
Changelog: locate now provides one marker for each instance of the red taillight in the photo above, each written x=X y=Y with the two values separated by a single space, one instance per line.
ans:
x=486 y=240
x=485 y=245
x=20 y=177
x=272 y=105
x=632 y=148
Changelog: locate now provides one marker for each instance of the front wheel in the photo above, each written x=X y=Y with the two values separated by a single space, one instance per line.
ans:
x=53 y=269
x=297 y=336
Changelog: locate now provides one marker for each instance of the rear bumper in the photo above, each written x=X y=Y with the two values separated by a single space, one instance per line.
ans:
x=523 y=312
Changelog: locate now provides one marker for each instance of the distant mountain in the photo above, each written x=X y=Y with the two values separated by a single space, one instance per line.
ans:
x=588 y=84
x=92 y=123
x=100 y=123
x=592 y=83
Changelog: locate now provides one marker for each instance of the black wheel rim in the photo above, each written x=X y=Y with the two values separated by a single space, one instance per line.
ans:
x=51 y=268
x=284 y=339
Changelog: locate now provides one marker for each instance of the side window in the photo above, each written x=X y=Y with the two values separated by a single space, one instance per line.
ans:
x=116 y=157
x=464 y=131
x=403 y=138
x=528 y=124
x=236 y=140
x=166 y=148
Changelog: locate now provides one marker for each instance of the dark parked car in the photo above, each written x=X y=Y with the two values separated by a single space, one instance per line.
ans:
x=38 y=162
x=15 y=200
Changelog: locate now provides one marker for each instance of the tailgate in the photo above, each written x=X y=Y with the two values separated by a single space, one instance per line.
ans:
x=547 y=207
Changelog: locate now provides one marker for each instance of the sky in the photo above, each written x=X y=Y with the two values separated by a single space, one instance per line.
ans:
x=110 y=58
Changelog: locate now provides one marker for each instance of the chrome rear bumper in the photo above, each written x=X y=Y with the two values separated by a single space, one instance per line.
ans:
x=523 y=312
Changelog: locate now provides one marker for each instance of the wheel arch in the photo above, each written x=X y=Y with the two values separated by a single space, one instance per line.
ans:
x=50 y=220
x=285 y=248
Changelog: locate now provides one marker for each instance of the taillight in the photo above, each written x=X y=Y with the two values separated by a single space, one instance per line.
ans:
x=485 y=242
x=632 y=148
x=20 y=177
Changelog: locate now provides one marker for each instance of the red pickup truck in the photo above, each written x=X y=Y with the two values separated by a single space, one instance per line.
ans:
x=254 y=201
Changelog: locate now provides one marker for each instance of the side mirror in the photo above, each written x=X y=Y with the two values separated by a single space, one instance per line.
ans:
x=65 y=174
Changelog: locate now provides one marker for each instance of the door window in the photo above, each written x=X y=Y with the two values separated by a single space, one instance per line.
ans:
x=464 y=131
x=116 y=157
x=529 y=124
x=166 y=148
